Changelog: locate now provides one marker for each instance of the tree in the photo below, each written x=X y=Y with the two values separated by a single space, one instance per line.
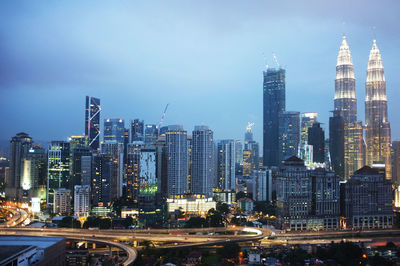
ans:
x=229 y=250
x=214 y=218
x=223 y=208
x=196 y=222
x=240 y=195
x=129 y=221
x=69 y=222
x=264 y=207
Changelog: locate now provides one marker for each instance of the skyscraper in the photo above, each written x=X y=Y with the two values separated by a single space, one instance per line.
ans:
x=34 y=175
x=307 y=120
x=114 y=152
x=150 y=134
x=177 y=161
x=274 y=102
x=92 y=122
x=58 y=170
x=345 y=101
x=396 y=162
x=376 y=118
x=137 y=130
x=114 y=129
x=316 y=138
x=19 y=148
x=336 y=143
x=239 y=152
x=226 y=165
x=202 y=177
x=289 y=134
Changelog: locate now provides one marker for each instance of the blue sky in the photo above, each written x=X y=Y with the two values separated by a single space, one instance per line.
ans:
x=204 y=58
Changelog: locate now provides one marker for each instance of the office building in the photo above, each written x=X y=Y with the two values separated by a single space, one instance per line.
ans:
x=367 y=200
x=336 y=143
x=58 y=169
x=307 y=120
x=238 y=152
x=225 y=184
x=100 y=192
x=289 y=134
x=34 y=175
x=345 y=101
x=307 y=199
x=316 y=138
x=202 y=174
x=82 y=200
x=274 y=102
x=62 y=201
x=114 y=153
x=114 y=130
x=250 y=157
x=263 y=184
x=137 y=130
x=19 y=148
x=396 y=162
x=132 y=171
x=77 y=154
x=150 y=134
x=92 y=122
x=376 y=116
x=177 y=161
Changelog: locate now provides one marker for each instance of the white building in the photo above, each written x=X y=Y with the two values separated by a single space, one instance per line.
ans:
x=62 y=201
x=191 y=205
x=82 y=200
x=263 y=185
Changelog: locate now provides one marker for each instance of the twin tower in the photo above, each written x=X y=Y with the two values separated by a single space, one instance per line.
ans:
x=375 y=148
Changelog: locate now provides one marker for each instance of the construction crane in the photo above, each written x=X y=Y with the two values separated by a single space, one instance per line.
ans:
x=249 y=126
x=276 y=60
x=163 y=116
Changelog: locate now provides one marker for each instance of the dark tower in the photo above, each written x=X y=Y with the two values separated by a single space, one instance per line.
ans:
x=336 y=143
x=316 y=138
x=274 y=103
x=92 y=122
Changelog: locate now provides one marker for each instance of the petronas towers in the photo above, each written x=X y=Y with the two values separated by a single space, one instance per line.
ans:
x=375 y=149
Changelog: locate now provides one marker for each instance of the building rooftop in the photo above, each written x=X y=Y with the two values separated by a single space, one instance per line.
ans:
x=294 y=159
x=37 y=241
x=7 y=251
x=366 y=170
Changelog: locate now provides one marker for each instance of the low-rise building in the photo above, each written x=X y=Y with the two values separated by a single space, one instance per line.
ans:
x=62 y=201
x=191 y=205
x=246 y=204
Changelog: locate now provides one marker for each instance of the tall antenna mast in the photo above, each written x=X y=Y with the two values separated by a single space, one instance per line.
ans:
x=276 y=60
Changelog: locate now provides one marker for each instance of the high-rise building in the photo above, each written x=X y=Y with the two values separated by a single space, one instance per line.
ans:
x=238 y=152
x=150 y=134
x=114 y=130
x=82 y=200
x=250 y=157
x=137 y=130
x=177 y=161
x=62 y=201
x=274 y=103
x=307 y=120
x=76 y=165
x=263 y=184
x=19 y=148
x=289 y=134
x=58 y=169
x=345 y=101
x=376 y=118
x=336 y=143
x=396 y=162
x=114 y=153
x=101 y=168
x=316 y=138
x=132 y=170
x=92 y=122
x=202 y=177
x=34 y=176
x=226 y=165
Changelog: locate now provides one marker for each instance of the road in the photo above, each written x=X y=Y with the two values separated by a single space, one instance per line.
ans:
x=19 y=216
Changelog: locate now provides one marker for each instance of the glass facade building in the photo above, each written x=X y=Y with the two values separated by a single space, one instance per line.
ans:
x=114 y=129
x=92 y=122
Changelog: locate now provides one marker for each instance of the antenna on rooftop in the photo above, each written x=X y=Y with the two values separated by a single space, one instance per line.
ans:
x=276 y=60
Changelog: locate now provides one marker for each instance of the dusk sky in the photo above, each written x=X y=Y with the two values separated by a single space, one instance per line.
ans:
x=204 y=58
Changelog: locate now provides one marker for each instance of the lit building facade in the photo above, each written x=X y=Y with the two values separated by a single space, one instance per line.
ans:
x=376 y=118
x=345 y=101
x=82 y=200
x=150 y=134
x=34 y=176
x=202 y=174
x=177 y=161
x=274 y=102
x=114 y=130
x=114 y=153
x=92 y=122
x=307 y=120
x=289 y=134
x=137 y=130
x=62 y=201
x=58 y=169
x=225 y=171
x=367 y=200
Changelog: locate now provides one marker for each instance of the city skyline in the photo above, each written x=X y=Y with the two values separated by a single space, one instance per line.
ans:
x=225 y=58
